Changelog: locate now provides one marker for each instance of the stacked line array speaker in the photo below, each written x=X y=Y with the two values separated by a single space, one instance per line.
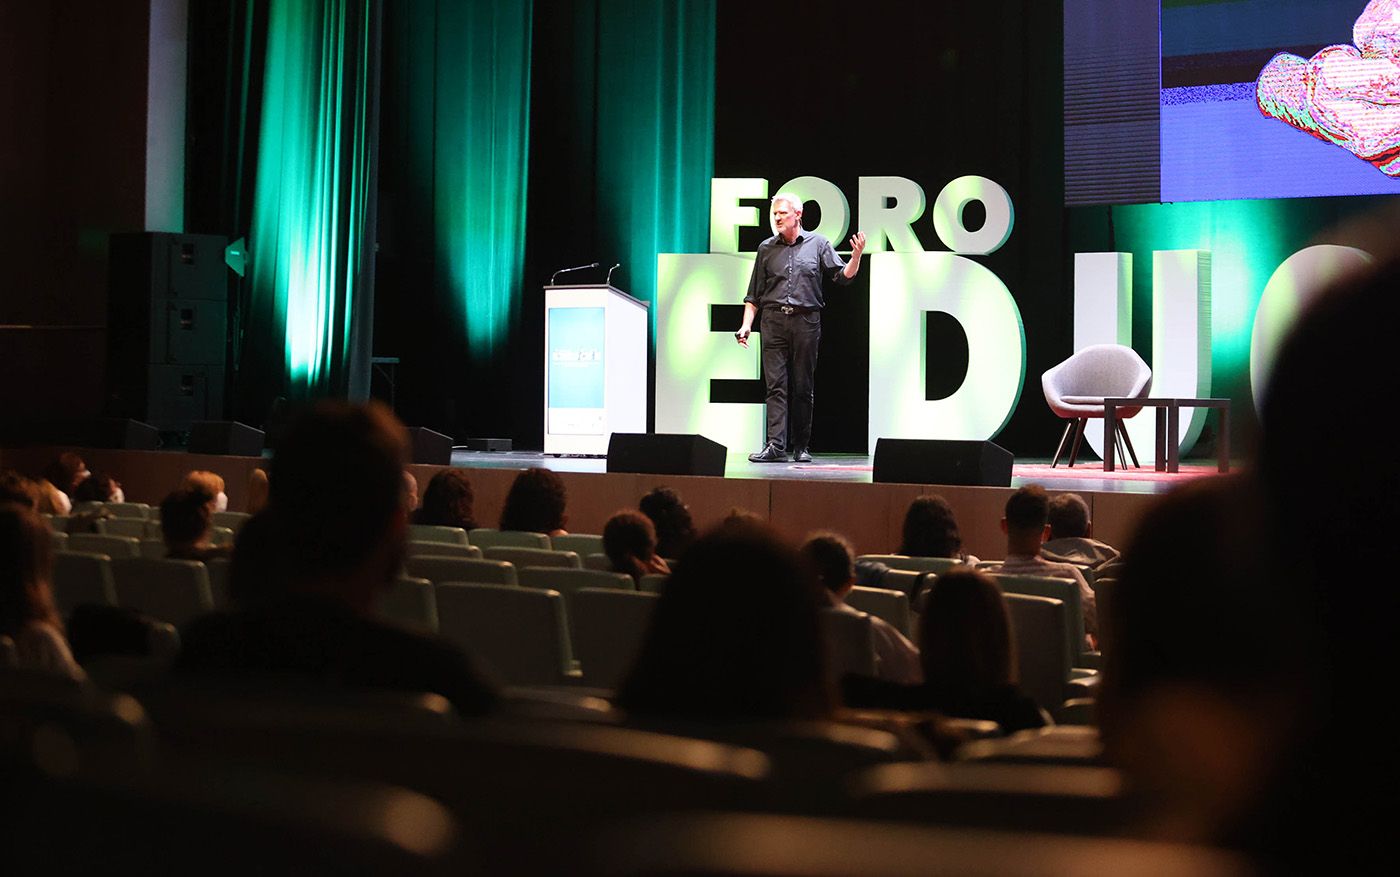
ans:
x=938 y=461
x=653 y=454
x=167 y=327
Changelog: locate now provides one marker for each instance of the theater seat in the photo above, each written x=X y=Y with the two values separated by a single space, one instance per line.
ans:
x=410 y=602
x=82 y=577
x=460 y=569
x=174 y=591
x=485 y=537
x=607 y=627
x=522 y=557
x=892 y=606
x=435 y=533
x=520 y=633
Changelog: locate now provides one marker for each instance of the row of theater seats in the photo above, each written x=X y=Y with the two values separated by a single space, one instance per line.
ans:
x=465 y=585
x=215 y=778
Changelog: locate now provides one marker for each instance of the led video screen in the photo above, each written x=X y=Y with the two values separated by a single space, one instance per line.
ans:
x=1204 y=100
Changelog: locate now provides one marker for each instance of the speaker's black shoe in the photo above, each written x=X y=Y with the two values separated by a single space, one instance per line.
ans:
x=770 y=454
x=802 y=456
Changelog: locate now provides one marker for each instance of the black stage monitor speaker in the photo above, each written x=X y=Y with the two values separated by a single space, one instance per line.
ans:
x=652 y=454
x=225 y=437
x=430 y=447
x=942 y=461
x=110 y=432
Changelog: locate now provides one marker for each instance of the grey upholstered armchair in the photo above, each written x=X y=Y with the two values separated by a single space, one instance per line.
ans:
x=1075 y=390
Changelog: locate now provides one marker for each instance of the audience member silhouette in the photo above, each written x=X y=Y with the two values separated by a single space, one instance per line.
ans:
x=410 y=491
x=930 y=530
x=66 y=472
x=675 y=530
x=257 y=491
x=99 y=487
x=212 y=484
x=14 y=487
x=629 y=540
x=1026 y=526
x=536 y=503
x=309 y=568
x=735 y=636
x=1072 y=535
x=448 y=501
x=27 y=613
x=1200 y=661
x=831 y=560
x=186 y=525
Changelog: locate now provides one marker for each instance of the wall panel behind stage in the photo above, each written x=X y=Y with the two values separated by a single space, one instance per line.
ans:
x=927 y=91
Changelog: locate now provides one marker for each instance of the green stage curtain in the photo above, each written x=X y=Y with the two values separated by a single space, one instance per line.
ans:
x=310 y=297
x=655 y=132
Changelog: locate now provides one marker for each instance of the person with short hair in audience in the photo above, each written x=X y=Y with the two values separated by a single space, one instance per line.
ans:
x=448 y=501
x=14 y=487
x=536 y=503
x=1072 y=535
x=186 y=525
x=27 y=613
x=309 y=568
x=968 y=655
x=212 y=483
x=629 y=540
x=99 y=487
x=66 y=472
x=832 y=560
x=1026 y=525
x=675 y=529
x=735 y=636
x=930 y=530
x=410 y=491
x=257 y=490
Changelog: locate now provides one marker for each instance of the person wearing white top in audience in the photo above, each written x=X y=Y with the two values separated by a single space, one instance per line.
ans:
x=1026 y=526
x=27 y=613
x=833 y=563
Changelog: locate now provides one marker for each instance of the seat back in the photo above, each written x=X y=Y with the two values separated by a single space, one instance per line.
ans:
x=174 y=591
x=99 y=543
x=597 y=561
x=218 y=568
x=566 y=580
x=57 y=726
x=905 y=581
x=460 y=569
x=1042 y=646
x=892 y=606
x=443 y=549
x=582 y=544
x=82 y=577
x=57 y=523
x=850 y=642
x=410 y=602
x=1013 y=797
x=137 y=510
x=519 y=632
x=59 y=541
x=436 y=533
x=608 y=625
x=154 y=549
x=220 y=536
x=1056 y=589
x=133 y=527
x=485 y=537
x=918 y=564
x=523 y=557
x=232 y=520
x=1066 y=745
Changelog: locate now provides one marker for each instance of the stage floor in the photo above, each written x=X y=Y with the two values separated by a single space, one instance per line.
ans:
x=857 y=469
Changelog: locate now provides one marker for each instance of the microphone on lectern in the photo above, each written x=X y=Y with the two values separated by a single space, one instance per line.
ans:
x=611 y=270
x=556 y=274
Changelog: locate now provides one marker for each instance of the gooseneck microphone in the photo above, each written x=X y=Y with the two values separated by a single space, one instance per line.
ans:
x=556 y=274
x=610 y=271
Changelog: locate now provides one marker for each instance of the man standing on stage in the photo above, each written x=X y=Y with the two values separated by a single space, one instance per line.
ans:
x=786 y=288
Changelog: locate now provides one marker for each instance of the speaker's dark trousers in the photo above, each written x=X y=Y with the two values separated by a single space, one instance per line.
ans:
x=790 y=344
